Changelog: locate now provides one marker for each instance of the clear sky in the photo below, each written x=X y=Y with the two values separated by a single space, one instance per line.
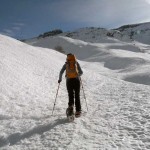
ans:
x=29 y=18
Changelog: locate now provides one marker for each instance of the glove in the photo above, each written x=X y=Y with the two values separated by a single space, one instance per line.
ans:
x=59 y=81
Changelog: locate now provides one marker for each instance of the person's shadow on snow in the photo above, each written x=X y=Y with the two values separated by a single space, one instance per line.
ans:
x=16 y=137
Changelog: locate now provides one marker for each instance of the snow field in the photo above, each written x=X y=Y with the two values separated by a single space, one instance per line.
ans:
x=118 y=116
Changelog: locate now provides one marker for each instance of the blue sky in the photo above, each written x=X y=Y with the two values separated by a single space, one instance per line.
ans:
x=29 y=18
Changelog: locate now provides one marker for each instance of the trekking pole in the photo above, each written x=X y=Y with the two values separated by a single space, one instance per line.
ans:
x=84 y=93
x=55 y=99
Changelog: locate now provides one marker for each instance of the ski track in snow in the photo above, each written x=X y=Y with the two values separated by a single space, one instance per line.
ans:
x=118 y=114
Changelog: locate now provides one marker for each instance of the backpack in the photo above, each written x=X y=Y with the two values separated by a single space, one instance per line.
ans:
x=71 y=66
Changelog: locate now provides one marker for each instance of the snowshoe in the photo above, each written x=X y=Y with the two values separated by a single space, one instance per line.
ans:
x=70 y=113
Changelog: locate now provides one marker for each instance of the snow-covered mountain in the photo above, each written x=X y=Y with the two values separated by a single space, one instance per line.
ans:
x=117 y=53
x=126 y=33
x=116 y=81
x=137 y=32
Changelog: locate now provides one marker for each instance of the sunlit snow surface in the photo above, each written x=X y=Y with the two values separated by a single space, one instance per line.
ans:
x=116 y=81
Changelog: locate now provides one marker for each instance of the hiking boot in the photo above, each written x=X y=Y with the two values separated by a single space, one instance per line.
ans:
x=78 y=113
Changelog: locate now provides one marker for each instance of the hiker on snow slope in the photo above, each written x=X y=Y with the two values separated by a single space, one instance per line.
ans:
x=73 y=73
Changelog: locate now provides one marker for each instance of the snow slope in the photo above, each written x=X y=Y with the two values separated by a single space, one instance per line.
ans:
x=129 y=61
x=119 y=111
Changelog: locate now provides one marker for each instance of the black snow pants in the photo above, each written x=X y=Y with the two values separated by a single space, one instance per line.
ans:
x=73 y=87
